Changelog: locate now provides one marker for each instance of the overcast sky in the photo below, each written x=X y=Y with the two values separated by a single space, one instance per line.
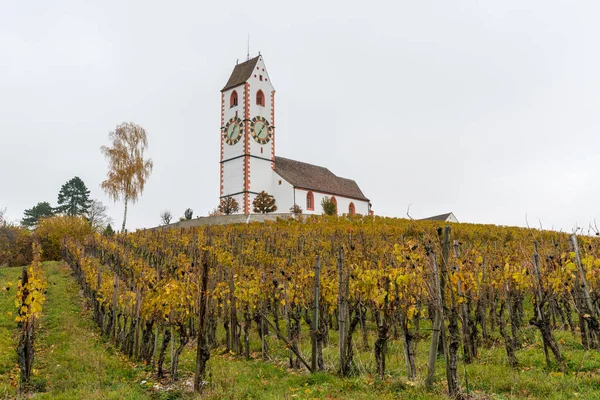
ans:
x=489 y=109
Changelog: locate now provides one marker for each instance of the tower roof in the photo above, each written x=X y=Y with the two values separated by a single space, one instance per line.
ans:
x=313 y=177
x=241 y=73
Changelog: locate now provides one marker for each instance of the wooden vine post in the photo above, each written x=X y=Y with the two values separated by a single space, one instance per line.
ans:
x=25 y=346
x=113 y=331
x=99 y=316
x=382 y=329
x=202 y=351
x=509 y=342
x=438 y=320
x=588 y=321
x=263 y=326
x=453 y=342
x=582 y=278
x=286 y=310
x=482 y=303
x=342 y=309
x=292 y=346
x=315 y=319
x=468 y=345
x=157 y=328
x=542 y=320
x=233 y=322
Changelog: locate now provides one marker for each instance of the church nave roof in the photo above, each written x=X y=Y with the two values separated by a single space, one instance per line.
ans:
x=314 y=177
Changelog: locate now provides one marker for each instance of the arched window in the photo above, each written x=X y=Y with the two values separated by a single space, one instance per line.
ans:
x=260 y=98
x=351 y=209
x=310 y=201
x=233 y=100
x=334 y=201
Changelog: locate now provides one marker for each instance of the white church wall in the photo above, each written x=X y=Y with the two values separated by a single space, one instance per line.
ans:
x=343 y=203
x=265 y=85
x=360 y=207
x=300 y=195
x=451 y=218
x=233 y=176
x=261 y=175
x=230 y=151
x=233 y=170
x=235 y=150
x=283 y=192
x=261 y=172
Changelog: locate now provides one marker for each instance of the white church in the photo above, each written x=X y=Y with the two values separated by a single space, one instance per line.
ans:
x=249 y=164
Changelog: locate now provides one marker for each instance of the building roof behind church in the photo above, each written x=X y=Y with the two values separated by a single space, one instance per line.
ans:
x=241 y=73
x=320 y=179
x=441 y=217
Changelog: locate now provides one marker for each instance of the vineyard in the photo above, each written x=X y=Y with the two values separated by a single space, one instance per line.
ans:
x=344 y=283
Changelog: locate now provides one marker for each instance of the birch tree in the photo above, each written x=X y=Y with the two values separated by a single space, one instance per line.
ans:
x=128 y=170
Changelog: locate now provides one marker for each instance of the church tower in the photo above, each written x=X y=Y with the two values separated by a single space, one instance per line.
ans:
x=247 y=133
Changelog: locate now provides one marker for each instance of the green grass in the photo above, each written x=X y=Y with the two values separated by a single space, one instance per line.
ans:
x=8 y=356
x=74 y=361
x=71 y=361
x=489 y=376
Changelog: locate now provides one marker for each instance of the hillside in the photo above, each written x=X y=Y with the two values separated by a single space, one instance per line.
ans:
x=76 y=359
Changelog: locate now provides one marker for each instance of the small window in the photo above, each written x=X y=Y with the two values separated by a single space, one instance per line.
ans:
x=260 y=98
x=280 y=181
x=351 y=209
x=233 y=100
x=260 y=78
x=310 y=201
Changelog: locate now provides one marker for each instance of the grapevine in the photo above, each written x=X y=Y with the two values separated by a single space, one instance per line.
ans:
x=374 y=274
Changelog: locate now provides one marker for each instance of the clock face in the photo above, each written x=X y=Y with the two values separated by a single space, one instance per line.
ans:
x=262 y=132
x=233 y=131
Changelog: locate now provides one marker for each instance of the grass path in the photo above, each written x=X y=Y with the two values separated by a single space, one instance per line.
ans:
x=72 y=359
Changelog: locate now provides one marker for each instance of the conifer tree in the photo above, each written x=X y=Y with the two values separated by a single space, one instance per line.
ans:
x=328 y=205
x=73 y=198
x=109 y=230
x=37 y=212
x=264 y=203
